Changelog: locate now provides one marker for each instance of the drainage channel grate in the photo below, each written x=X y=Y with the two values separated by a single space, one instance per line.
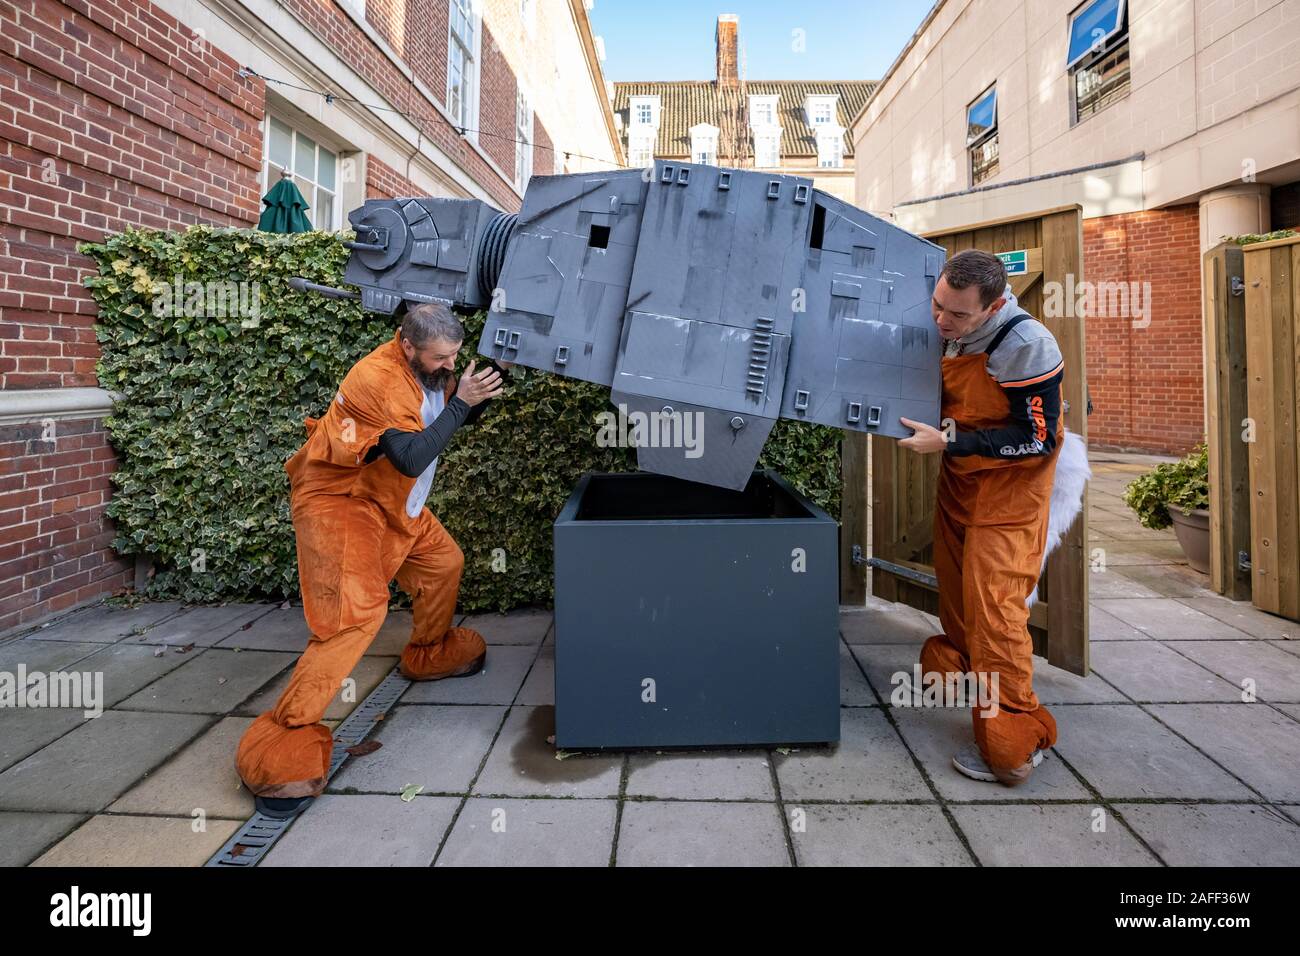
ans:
x=256 y=837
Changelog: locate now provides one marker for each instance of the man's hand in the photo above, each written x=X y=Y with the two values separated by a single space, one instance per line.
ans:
x=925 y=440
x=475 y=388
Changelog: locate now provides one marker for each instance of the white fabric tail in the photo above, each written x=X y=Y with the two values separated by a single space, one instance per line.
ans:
x=1072 y=476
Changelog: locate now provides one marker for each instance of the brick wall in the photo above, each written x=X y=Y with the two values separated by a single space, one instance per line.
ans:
x=341 y=33
x=384 y=182
x=1147 y=384
x=543 y=150
x=55 y=543
x=496 y=120
x=112 y=115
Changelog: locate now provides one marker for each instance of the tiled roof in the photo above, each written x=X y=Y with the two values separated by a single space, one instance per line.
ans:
x=684 y=103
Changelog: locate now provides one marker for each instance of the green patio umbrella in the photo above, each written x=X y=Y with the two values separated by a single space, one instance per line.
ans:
x=285 y=209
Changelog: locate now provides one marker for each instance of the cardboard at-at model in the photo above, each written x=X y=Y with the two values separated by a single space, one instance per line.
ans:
x=712 y=301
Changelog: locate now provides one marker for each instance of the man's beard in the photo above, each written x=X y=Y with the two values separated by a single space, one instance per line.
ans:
x=435 y=381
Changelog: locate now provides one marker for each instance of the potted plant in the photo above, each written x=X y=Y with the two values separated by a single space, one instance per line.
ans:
x=1177 y=493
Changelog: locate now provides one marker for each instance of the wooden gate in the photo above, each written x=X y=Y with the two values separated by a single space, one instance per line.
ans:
x=1048 y=248
x=1272 y=293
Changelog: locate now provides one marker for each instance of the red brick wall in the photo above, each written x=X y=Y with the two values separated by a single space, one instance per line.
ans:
x=55 y=543
x=384 y=182
x=1147 y=384
x=543 y=150
x=112 y=116
x=426 y=43
x=337 y=29
x=496 y=117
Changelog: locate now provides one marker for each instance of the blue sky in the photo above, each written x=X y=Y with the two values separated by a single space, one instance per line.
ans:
x=673 y=39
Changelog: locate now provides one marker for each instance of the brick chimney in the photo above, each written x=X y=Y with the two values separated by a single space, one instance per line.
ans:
x=727 y=39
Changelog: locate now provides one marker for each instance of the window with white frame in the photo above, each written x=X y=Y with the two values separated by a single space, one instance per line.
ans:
x=830 y=148
x=767 y=150
x=982 y=136
x=462 y=65
x=762 y=111
x=1098 y=57
x=313 y=167
x=820 y=109
x=643 y=111
x=640 y=149
x=523 y=140
x=704 y=144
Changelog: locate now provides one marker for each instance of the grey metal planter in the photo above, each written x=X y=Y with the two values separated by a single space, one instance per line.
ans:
x=691 y=615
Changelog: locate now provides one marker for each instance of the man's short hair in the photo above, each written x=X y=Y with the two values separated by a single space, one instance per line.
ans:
x=428 y=321
x=974 y=267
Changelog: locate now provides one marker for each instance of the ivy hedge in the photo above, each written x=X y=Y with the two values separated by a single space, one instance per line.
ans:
x=219 y=362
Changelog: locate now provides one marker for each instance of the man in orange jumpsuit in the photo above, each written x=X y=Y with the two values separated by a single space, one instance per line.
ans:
x=1002 y=373
x=357 y=493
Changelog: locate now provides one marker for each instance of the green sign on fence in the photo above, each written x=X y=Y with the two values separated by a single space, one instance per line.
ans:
x=1015 y=262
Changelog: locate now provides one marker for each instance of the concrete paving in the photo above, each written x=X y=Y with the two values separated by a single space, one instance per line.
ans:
x=1182 y=747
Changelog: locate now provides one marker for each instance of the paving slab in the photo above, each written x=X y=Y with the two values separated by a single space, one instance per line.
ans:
x=1104 y=626
x=1171 y=580
x=139 y=841
x=518 y=627
x=213 y=682
x=438 y=748
x=1120 y=555
x=935 y=734
x=25 y=836
x=869 y=763
x=365 y=830
x=203 y=626
x=1167 y=619
x=497 y=683
x=522 y=832
x=874 y=835
x=523 y=763
x=712 y=775
x=367 y=675
x=854 y=689
x=1055 y=835
x=678 y=833
x=105 y=623
x=1151 y=671
x=539 y=687
x=283 y=629
x=128 y=667
x=884 y=662
x=1215 y=834
x=1124 y=752
x=1254 y=741
x=896 y=625
x=1055 y=685
x=72 y=774
x=202 y=776
x=44 y=655
x=1275 y=673
x=25 y=731
x=394 y=634
x=1112 y=584
x=1247 y=618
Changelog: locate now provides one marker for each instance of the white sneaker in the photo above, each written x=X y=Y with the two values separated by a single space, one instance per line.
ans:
x=969 y=763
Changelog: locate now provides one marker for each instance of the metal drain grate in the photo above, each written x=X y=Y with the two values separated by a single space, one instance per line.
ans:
x=252 y=841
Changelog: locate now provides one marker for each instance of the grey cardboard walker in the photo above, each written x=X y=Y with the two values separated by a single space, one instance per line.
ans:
x=731 y=296
x=698 y=612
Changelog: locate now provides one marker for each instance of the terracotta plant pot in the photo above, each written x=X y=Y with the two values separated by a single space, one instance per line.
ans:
x=1193 y=533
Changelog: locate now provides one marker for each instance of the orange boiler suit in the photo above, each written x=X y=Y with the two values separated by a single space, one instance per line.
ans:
x=990 y=530
x=355 y=534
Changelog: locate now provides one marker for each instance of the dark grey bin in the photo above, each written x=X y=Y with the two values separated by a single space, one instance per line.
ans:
x=694 y=588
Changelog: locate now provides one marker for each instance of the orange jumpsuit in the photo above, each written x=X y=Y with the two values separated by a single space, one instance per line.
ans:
x=354 y=534
x=990 y=528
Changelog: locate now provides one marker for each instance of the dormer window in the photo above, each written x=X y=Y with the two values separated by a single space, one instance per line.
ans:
x=820 y=108
x=762 y=112
x=643 y=111
x=704 y=144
